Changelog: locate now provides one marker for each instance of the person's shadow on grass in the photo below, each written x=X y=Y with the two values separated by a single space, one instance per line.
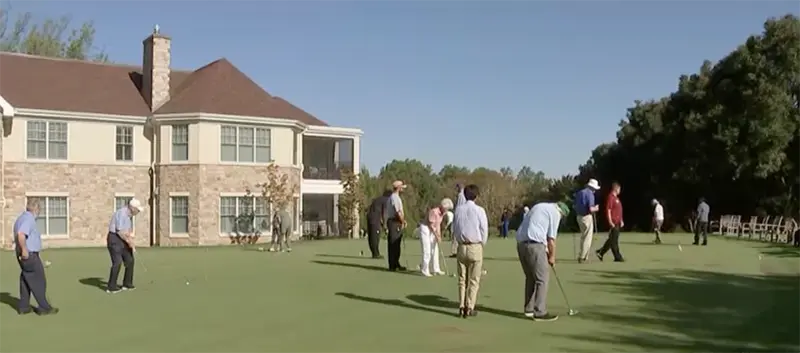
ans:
x=442 y=302
x=360 y=266
x=344 y=256
x=395 y=302
x=10 y=300
x=96 y=282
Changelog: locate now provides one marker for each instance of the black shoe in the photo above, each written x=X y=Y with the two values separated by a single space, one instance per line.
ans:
x=128 y=288
x=619 y=260
x=453 y=256
x=705 y=243
x=599 y=255
x=696 y=243
x=472 y=312
x=462 y=313
x=51 y=311
x=377 y=257
x=25 y=311
x=546 y=317
x=657 y=241
x=401 y=268
x=580 y=260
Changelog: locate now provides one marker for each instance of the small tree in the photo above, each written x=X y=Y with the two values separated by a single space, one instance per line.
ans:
x=280 y=190
x=349 y=200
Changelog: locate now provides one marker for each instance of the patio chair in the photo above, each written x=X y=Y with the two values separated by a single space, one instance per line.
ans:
x=773 y=228
x=747 y=227
x=761 y=228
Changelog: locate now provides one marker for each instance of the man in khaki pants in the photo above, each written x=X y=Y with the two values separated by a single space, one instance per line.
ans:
x=471 y=231
x=585 y=207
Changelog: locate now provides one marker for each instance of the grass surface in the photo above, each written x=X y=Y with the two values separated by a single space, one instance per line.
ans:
x=325 y=297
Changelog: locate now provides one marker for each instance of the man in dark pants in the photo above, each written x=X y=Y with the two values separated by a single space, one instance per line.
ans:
x=32 y=279
x=614 y=218
x=121 y=247
x=395 y=221
x=375 y=223
x=701 y=228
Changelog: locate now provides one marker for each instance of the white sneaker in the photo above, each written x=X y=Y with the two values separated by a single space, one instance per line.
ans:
x=439 y=273
x=426 y=274
x=529 y=314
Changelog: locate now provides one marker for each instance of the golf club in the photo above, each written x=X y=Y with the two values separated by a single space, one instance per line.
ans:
x=442 y=258
x=570 y=311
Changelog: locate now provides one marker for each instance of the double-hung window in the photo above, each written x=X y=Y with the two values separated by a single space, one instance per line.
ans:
x=245 y=144
x=47 y=140
x=243 y=214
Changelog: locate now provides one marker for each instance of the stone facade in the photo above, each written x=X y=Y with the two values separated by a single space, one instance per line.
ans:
x=90 y=191
x=204 y=184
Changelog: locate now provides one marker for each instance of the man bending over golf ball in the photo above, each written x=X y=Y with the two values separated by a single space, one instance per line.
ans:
x=430 y=235
x=536 y=248
x=120 y=245
x=471 y=230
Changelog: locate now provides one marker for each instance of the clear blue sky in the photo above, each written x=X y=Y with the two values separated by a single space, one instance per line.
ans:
x=479 y=83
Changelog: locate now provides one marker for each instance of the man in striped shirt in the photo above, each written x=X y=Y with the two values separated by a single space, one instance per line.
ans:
x=471 y=231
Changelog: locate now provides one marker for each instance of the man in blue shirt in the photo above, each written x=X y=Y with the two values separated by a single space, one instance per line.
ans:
x=585 y=207
x=120 y=245
x=32 y=279
x=536 y=247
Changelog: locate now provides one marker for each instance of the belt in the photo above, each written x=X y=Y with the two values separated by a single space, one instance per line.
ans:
x=469 y=243
x=531 y=242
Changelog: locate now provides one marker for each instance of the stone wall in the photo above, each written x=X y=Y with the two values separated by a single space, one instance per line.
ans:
x=90 y=190
x=204 y=184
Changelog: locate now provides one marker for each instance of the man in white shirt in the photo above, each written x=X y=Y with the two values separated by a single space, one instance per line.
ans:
x=448 y=226
x=658 y=220
x=471 y=230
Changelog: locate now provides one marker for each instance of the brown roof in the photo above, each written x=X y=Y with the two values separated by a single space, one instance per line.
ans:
x=34 y=82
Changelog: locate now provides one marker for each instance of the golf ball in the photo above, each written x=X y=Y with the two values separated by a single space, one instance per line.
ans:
x=484 y=272
x=187 y=283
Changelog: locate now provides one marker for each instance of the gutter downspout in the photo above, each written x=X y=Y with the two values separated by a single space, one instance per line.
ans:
x=154 y=241
x=301 y=163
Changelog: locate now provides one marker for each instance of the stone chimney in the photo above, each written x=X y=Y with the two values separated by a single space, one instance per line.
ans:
x=155 y=69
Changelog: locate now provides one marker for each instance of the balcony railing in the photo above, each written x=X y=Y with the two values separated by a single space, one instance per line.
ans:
x=332 y=172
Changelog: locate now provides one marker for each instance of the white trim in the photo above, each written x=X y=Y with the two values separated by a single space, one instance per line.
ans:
x=46 y=194
x=178 y=194
x=124 y=194
x=236 y=194
x=331 y=131
x=171 y=233
x=226 y=119
x=8 y=109
x=84 y=116
x=98 y=163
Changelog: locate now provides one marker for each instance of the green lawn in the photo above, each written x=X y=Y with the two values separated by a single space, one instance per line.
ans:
x=325 y=297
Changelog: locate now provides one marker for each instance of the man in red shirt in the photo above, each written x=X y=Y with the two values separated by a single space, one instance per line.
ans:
x=614 y=218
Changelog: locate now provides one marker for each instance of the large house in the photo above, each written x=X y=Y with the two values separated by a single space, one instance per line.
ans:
x=86 y=137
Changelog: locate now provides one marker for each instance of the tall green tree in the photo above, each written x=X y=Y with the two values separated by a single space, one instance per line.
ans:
x=51 y=37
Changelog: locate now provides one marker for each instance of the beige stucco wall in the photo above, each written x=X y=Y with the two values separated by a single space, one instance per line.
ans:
x=88 y=142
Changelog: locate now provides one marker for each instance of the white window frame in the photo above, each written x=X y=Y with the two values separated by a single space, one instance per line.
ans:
x=47 y=140
x=44 y=201
x=125 y=195
x=172 y=197
x=238 y=195
x=173 y=144
x=238 y=144
x=118 y=144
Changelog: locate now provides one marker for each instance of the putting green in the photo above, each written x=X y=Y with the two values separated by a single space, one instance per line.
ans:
x=325 y=297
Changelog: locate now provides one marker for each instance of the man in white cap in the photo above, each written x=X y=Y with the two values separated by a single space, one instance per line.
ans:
x=658 y=220
x=585 y=207
x=120 y=245
x=395 y=221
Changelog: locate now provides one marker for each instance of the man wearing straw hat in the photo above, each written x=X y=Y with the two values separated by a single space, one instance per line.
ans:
x=585 y=208
x=395 y=222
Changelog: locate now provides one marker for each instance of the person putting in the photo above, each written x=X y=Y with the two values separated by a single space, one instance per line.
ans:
x=658 y=220
x=395 y=221
x=121 y=246
x=536 y=248
x=585 y=208
x=471 y=230
x=430 y=235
